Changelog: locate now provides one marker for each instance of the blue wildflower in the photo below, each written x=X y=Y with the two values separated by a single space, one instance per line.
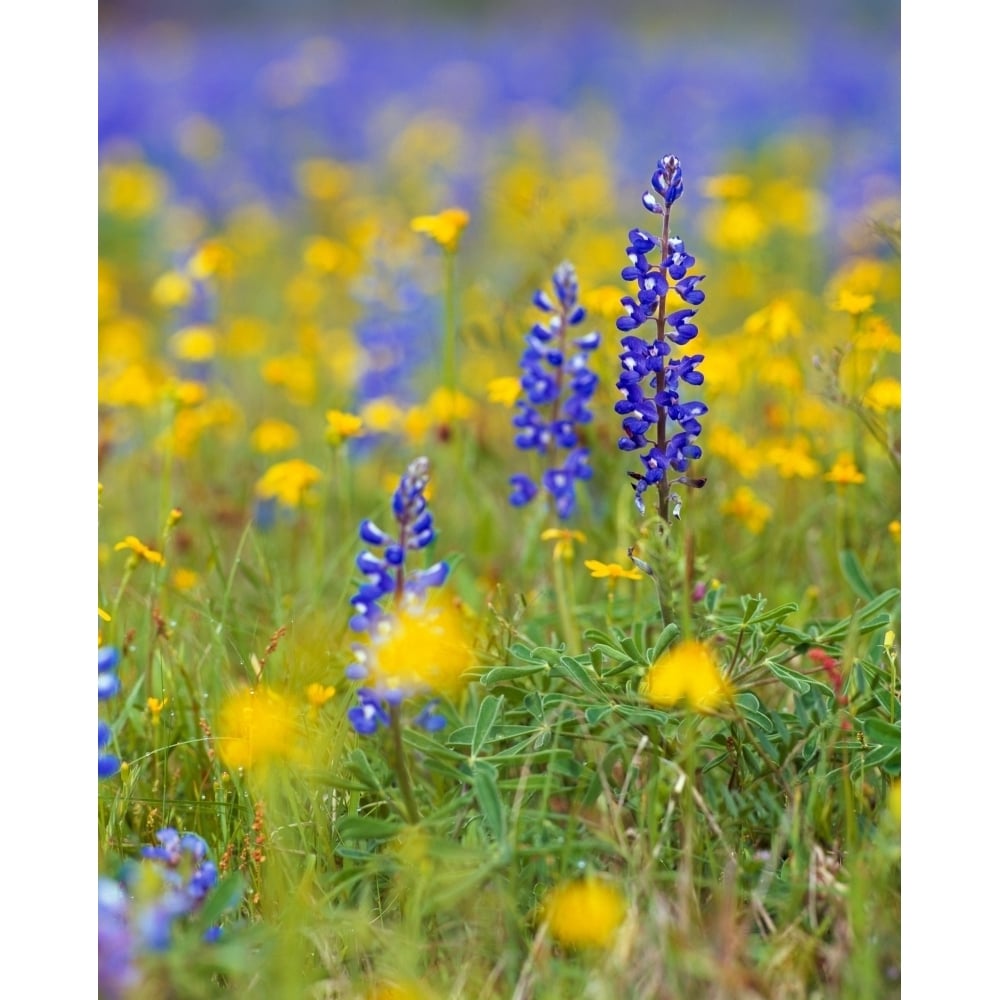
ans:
x=556 y=388
x=650 y=381
x=108 y=685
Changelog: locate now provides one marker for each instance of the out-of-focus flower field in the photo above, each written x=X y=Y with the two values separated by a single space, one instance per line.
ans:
x=499 y=501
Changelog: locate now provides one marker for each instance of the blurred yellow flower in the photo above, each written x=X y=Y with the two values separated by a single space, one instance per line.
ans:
x=156 y=706
x=726 y=186
x=852 y=302
x=504 y=389
x=133 y=544
x=194 y=343
x=746 y=507
x=254 y=728
x=736 y=225
x=172 y=290
x=272 y=436
x=447 y=405
x=421 y=648
x=340 y=426
x=845 y=472
x=136 y=385
x=184 y=579
x=777 y=320
x=132 y=190
x=611 y=571
x=382 y=415
x=604 y=301
x=289 y=482
x=322 y=180
x=445 y=228
x=103 y=615
x=894 y=800
x=321 y=254
x=319 y=694
x=303 y=293
x=564 y=538
x=212 y=259
x=793 y=459
x=687 y=672
x=884 y=394
x=584 y=913
x=896 y=530
x=295 y=374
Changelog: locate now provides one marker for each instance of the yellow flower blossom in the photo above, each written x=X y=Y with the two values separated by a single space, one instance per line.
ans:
x=255 y=728
x=793 y=460
x=156 y=707
x=103 y=615
x=746 y=507
x=244 y=336
x=186 y=392
x=604 y=301
x=845 y=472
x=726 y=186
x=132 y=190
x=611 y=572
x=289 y=482
x=445 y=228
x=272 y=436
x=194 y=343
x=852 y=302
x=778 y=320
x=584 y=913
x=184 y=579
x=894 y=800
x=321 y=254
x=877 y=335
x=884 y=394
x=172 y=290
x=321 y=179
x=448 y=405
x=382 y=415
x=896 y=530
x=421 y=649
x=319 y=694
x=212 y=259
x=340 y=426
x=295 y=374
x=133 y=544
x=564 y=538
x=504 y=389
x=687 y=672
x=303 y=294
x=736 y=225
x=137 y=385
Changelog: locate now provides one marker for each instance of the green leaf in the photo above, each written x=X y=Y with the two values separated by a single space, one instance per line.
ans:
x=792 y=678
x=666 y=637
x=855 y=576
x=487 y=716
x=367 y=828
x=580 y=676
x=498 y=674
x=484 y=785
x=357 y=764
x=596 y=713
x=782 y=611
x=614 y=652
x=628 y=644
x=226 y=895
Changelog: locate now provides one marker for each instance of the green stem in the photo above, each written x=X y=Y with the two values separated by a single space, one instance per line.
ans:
x=449 y=347
x=399 y=766
x=563 y=605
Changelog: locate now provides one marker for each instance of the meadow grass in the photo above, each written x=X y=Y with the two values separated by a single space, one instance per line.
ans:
x=666 y=761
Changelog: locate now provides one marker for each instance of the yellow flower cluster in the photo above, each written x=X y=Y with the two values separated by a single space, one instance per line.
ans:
x=687 y=673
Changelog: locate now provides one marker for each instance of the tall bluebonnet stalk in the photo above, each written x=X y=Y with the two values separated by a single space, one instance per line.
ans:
x=108 y=685
x=391 y=586
x=651 y=379
x=556 y=387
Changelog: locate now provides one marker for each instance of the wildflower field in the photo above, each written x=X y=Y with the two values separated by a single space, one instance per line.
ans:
x=499 y=502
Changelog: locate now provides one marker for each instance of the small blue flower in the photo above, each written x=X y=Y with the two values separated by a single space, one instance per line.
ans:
x=108 y=685
x=556 y=388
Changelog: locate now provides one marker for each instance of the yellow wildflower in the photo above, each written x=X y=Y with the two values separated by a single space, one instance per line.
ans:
x=295 y=373
x=845 y=472
x=156 y=706
x=321 y=254
x=319 y=694
x=584 y=913
x=254 y=728
x=895 y=800
x=604 y=301
x=447 y=405
x=884 y=394
x=245 y=335
x=611 y=572
x=726 y=186
x=184 y=579
x=212 y=258
x=564 y=538
x=852 y=302
x=194 y=343
x=778 y=320
x=137 y=385
x=322 y=180
x=172 y=290
x=793 y=459
x=289 y=482
x=736 y=225
x=132 y=190
x=445 y=228
x=103 y=615
x=185 y=392
x=504 y=389
x=746 y=507
x=382 y=415
x=271 y=436
x=421 y=649
x=133 y=544
x=687 y=672
x=896 y=530
x=340 y=426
